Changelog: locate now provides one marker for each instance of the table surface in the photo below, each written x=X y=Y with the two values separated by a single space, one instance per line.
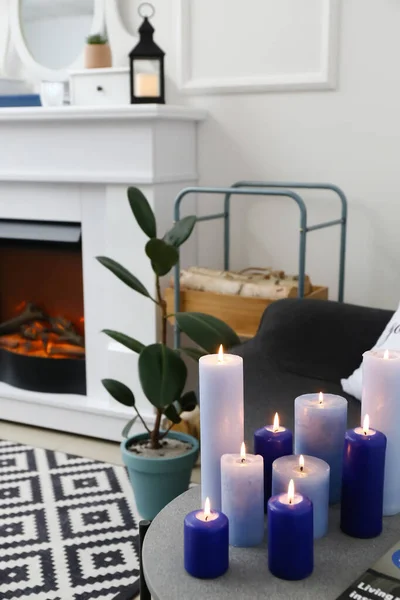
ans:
x=339 y=560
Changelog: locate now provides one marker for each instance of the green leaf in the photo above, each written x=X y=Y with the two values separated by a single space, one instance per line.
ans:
x=172 y=414
x=142 y=211
x=162 y=374
x=123 y=274
x=128 y=427
x=188 y=401
x=194 y=353
x=125 y=340
x=207 y=331
x=163 y=256
x=119 y=391
x=180 y=231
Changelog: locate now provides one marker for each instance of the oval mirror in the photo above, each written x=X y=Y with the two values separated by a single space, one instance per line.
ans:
x=55 y=30
x=50 y=35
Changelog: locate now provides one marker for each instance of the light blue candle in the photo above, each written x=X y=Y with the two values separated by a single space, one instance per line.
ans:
x=311 y=479
x=221 y=418
x=381 y=401
x=242 y=485
x=320 y=427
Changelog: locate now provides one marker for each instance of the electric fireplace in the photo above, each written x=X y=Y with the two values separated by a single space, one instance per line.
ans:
x=64 y=172
x=42 y=345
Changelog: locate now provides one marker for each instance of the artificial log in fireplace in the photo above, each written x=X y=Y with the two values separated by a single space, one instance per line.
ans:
x=42 y=344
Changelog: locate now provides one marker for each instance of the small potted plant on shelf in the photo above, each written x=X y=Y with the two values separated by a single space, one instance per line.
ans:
x=97 y=52
x=160 y=462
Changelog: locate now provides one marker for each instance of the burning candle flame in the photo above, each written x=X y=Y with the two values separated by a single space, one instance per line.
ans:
x=301 y=462
x=243 y=452
x=366 y=425
x=221 y=354
x=291 y=491
x=386 y=355
x=276 y=423
x=207 y=509
x=321 y=398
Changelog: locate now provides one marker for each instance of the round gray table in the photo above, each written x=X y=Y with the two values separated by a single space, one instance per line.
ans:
x=339 y=560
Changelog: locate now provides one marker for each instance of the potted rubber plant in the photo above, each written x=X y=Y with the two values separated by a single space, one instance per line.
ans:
x=97 y=52
x=160 y=462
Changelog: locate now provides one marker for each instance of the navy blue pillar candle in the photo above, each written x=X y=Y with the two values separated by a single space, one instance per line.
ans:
x=206 y=543
x=362 y=484
x=290 y=535
x=272 y=442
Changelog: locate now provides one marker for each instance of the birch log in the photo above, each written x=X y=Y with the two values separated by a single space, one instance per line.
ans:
x=257 y=283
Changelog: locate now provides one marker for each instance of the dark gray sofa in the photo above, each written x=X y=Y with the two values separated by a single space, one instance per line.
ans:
x=304 y=346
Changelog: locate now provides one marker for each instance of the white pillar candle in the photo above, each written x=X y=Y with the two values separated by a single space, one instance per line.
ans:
x=381 y=401
x=320 y=425
x=311 y=478
x=242 y=483
x=221 y=417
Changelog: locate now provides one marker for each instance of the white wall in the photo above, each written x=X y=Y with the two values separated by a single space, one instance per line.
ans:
x=349 y=136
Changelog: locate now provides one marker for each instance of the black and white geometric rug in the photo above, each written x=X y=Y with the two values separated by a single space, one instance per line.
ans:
x=68 y=527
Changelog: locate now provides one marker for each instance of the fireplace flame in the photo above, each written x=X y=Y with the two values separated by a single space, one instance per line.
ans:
x=48 y=338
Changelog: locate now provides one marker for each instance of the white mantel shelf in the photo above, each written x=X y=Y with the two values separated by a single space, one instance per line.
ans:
x=103 y=145
x=73 y=164
x=132 y=112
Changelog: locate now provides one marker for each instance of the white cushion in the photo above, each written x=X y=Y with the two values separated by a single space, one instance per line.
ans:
x=390 y=339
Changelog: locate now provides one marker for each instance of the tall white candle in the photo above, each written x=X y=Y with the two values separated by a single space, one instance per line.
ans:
x=221 y=418
x=381 y=401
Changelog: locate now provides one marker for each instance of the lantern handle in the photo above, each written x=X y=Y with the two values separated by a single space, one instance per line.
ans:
x=142 y=9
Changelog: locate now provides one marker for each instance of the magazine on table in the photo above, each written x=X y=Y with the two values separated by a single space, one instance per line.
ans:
x=382 y=580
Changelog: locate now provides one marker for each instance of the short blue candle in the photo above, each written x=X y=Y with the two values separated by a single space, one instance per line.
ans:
x=311 y=479
x=206 y=543
x=290 y=536
x=320 y=425
x=272 y=442
x=363 y=478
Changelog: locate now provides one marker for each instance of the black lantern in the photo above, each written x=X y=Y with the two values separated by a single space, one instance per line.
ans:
x=147 y=64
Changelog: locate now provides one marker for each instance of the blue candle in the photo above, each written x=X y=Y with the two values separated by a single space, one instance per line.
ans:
x=206 y=543
x=290 y=535
x=320 y=425
x=311 y=478
x=242 y=484
x=363 y=478
x=272 y=442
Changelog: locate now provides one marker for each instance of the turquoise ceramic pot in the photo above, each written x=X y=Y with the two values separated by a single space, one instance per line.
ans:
x=157 y=481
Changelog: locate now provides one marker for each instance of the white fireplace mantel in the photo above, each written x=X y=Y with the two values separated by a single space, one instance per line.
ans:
x=74 y=164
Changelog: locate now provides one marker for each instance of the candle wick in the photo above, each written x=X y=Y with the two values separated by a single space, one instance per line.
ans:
x=242 y=460
x=290 y=501
x=301 y=468
x=206 y=518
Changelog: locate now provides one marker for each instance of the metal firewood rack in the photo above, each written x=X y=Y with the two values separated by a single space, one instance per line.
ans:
x=267 y=188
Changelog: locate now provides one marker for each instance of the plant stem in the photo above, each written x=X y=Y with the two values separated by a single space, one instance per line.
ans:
x=163 y=307
x=143 y=421
x=167 y=431
x=155 y=435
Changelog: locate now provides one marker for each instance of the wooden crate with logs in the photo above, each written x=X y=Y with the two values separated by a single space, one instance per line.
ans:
x=238 y=298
